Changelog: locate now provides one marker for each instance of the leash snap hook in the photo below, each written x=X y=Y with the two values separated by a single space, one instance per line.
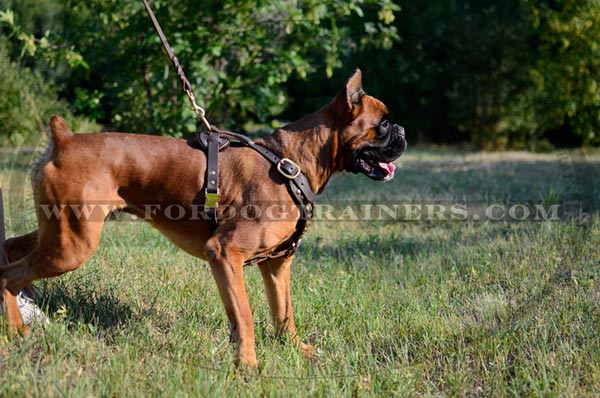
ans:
x=198 y=110
x=288 y=168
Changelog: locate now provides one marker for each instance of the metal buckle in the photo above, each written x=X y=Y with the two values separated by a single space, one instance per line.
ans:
x=211 y=200
x=284 y=173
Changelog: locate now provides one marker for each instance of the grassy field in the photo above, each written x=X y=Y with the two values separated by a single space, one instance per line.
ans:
x=427 y=308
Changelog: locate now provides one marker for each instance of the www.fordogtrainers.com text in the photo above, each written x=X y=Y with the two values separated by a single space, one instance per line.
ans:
x=333 y=211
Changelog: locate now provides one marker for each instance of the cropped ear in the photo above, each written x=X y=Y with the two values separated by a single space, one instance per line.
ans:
x=354 y=90
x=351 y=95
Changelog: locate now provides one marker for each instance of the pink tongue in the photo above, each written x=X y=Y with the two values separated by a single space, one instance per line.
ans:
x=388 y=167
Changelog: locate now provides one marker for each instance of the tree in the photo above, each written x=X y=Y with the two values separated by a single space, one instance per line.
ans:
x=495 y=74
x=563 y=99
x=237 y=54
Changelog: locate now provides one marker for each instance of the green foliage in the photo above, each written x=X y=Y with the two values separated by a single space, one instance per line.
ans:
x=565 y=95
x=26 y=104
x=36 y=31
x=496 y=74
x=457 y=65
x=237 y=55
x=517 y=73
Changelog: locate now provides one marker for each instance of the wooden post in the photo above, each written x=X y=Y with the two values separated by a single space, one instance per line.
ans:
x=3 y=259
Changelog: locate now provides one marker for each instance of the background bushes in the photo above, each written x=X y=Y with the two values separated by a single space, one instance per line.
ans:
x=488 y=74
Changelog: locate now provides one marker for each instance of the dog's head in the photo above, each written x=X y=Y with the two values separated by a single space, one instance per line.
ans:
x=369 y=140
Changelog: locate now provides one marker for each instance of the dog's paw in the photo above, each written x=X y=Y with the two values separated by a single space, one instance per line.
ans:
x=309 y=351
x=246 y=361
x=247 y=370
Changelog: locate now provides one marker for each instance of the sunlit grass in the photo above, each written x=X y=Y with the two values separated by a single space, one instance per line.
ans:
x=425 y=308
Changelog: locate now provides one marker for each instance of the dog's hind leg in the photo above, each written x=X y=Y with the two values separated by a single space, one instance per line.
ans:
x=276 y=276
x=62 y=245
x=15 y=249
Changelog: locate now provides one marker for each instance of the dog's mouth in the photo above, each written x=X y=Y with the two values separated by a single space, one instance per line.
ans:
x=372 y=168
x=376 y=161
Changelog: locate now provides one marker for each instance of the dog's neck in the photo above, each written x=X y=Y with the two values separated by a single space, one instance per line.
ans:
x=316 y=130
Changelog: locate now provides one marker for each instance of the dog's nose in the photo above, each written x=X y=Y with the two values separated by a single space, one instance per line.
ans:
x=401 y=138
x=400 y=130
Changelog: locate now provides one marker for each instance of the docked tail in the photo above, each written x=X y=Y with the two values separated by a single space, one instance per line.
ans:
x=57 y=133
x=59 y=129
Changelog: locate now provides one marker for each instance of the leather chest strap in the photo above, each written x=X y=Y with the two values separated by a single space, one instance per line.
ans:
x=211 y=193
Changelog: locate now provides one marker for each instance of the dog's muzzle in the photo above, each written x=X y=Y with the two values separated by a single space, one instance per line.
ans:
x=376 y=160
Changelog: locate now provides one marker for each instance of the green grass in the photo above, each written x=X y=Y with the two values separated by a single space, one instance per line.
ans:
x=424 y=309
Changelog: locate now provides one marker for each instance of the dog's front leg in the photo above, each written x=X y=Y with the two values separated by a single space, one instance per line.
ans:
x=227 y=267
x=276 y=276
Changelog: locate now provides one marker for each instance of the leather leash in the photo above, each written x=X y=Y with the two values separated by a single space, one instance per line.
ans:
x=187 y=87
x=211 y=192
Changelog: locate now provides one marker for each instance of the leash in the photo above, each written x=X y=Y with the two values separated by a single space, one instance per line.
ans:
x=213 y=140
x=187 y=87
x=211 y=192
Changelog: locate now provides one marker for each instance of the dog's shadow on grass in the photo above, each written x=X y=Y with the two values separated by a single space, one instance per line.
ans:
x=77 y=304
x=371 y=245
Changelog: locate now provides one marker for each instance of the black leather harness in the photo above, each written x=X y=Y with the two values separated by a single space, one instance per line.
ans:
x=216 y=140
x=296 y=182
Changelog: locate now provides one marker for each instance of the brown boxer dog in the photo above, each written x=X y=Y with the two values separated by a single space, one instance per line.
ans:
x=142 y=174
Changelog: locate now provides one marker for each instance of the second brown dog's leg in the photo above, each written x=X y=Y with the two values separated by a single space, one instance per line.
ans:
x=19 y=247
x=276 y=276
x=15 y=249
x=11 y=308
